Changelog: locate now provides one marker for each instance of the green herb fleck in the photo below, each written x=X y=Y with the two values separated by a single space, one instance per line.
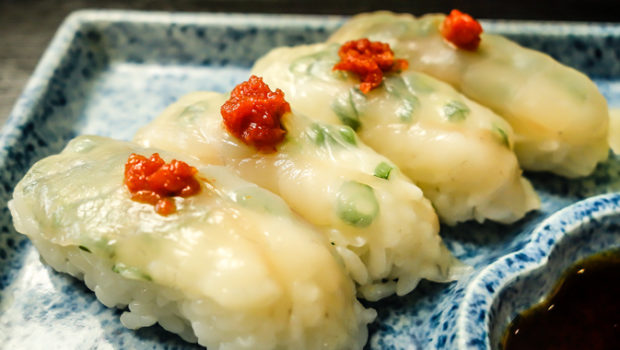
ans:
x=347 y=107
x=405 y=111
x=456 y=111
x=130 y=272
x=193 y=111
x=257 y=199
x=418 y=83
x=407 y=102
x=348 y=135
x=318 y=64
x=383 y=170
x=357 y=204
x=332 y=135
x=104 y=246
x=85 y=249
x=503 y=136
x=319 y=133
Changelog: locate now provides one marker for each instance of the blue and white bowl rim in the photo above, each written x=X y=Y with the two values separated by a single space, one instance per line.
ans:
x=479 y=297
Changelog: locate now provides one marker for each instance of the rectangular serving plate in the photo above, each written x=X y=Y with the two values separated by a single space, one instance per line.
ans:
x=110 y=72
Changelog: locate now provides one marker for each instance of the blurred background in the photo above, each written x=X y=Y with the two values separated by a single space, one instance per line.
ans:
x=27 y=26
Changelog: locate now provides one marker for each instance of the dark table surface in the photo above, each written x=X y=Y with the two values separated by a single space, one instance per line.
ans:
x=27 y=26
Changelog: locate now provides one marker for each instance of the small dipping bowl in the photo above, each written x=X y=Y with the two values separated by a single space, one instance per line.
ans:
x=520 y=280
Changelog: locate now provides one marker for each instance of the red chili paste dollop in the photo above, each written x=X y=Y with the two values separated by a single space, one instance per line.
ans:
x=461 y=30
x=152 y=181
x=253 y=113
x=369 y=60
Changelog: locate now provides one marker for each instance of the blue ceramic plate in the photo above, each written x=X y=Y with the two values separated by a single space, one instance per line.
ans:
x=110 y=72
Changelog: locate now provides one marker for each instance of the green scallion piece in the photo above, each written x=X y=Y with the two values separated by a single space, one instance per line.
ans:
x=503 y=136
x=348 y=135
x=130 y=272
x=456 y=111
x=418 y=83
x=347 y=106
x=332 y=135
x=357 y=204
x=407 y=101
x=383 y=170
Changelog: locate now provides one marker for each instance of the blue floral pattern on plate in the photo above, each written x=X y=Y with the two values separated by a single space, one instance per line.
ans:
x=109 y=72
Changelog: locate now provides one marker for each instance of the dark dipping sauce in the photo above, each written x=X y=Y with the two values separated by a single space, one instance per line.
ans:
x=582 y=312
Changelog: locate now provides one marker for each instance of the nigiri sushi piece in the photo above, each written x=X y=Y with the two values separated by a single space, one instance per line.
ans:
x=559 y=117
x=384 y=229
x=227 y=264
x=457 y=151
